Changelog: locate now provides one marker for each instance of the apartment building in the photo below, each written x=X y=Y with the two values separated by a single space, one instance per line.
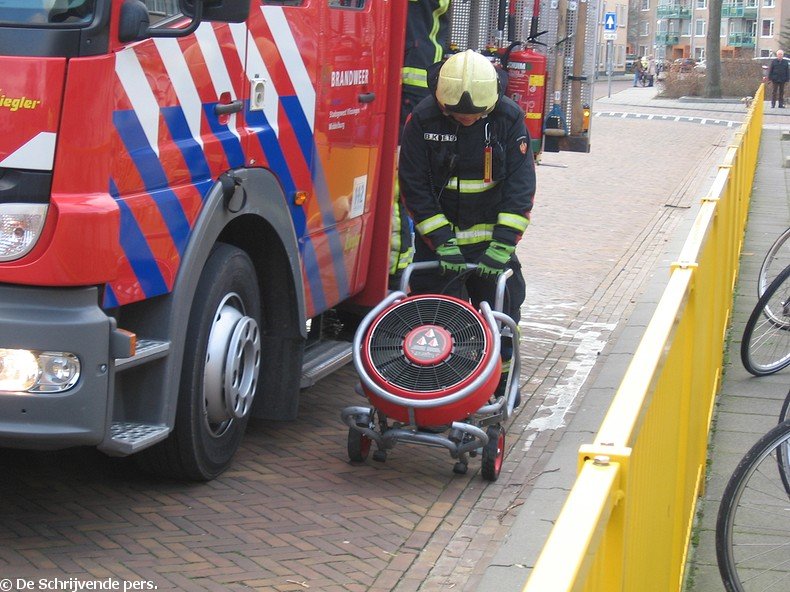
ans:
x=675 y=29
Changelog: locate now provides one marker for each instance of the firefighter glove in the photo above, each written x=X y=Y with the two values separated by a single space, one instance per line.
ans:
x=451 y=260
x=494 y=260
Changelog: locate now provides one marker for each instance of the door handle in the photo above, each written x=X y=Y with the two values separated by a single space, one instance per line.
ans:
x=366 y=97
x=228 y=108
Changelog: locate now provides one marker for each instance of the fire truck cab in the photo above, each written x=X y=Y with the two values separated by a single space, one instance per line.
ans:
x=182 y=185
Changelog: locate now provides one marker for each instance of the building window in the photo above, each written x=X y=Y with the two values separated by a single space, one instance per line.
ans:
x=768 y=3
x=723 y=28
x=699 y=53
x=644 y=28
x=699 y=28
x=159 y=10
x=768 y=28
x=701 y=4
x=686 y=29
x=765 y=53
x=645 y=4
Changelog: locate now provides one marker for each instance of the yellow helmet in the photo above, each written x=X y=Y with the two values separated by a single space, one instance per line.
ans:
x=468 y=83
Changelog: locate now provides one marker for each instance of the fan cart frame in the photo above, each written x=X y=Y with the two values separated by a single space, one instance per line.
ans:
x=480 y=431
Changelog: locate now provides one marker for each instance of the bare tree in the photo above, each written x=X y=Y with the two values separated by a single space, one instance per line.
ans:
x=713 y=51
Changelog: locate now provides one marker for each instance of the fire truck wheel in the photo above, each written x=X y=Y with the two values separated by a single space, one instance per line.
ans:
x=220 y=371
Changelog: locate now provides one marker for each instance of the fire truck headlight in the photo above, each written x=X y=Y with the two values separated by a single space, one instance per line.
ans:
x=26 y=371
x=20 y=227
x=18 y=369
x=59 y=372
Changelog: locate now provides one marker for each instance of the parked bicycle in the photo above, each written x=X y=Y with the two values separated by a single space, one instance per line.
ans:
x=776 y=259
x=753 y=524
x=765 y=347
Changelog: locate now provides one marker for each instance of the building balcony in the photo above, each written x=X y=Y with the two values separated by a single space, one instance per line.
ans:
x=740 y=40
x=667 y=38
x=669 y=11
x=738 y=10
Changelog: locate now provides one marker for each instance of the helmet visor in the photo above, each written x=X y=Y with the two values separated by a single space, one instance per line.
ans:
x=466 y=106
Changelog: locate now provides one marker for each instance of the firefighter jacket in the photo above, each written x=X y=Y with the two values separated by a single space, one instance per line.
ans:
x=473 y=183
x=427 y=38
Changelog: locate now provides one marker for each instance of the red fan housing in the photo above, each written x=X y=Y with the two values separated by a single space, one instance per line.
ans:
x=429 y=347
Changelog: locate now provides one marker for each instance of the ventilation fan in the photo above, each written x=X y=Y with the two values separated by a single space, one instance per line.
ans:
x=429 y=347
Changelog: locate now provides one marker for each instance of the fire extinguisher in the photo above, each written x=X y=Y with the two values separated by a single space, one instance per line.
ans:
x=526 y=85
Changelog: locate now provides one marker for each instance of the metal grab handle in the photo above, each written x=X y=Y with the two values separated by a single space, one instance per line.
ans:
x=501 y=283
x=366 y=97
x=228 y=108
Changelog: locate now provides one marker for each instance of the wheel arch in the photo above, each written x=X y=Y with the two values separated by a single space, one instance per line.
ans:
x=257 y=220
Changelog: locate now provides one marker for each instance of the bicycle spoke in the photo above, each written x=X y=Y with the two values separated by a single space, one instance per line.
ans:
x=777 y=258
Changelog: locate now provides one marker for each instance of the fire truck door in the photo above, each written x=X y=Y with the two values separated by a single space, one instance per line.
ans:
x=177 y=125
x=346 y=139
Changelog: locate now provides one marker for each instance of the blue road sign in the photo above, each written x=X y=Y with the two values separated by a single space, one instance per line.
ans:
x=610 y=21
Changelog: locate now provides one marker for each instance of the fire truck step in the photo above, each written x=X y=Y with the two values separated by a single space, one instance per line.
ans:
x=322 y=359
x=147 y=350
x=127 y=437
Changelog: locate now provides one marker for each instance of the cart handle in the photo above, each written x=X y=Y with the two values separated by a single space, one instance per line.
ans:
x=499 y=298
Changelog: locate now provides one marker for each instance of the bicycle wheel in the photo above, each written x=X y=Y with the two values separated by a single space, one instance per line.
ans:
x=753 y=524
x=782 y=456
x=776 y=259
x=765 y=347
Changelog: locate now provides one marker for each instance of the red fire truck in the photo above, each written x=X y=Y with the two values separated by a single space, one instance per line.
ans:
x=183 y=185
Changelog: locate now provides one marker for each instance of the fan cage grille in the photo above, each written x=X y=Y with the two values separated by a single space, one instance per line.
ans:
x=386 y=344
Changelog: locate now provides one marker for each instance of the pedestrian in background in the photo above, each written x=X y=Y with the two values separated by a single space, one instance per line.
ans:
x=651 y=70
x=639 y=71
x=778 y=74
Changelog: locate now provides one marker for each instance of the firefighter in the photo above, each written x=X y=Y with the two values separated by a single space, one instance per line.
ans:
x=427 y=40
x=467 y=178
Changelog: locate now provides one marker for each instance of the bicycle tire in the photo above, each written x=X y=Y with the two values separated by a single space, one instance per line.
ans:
x=782 y=454
x=765 y=347
x=753 y=522
x=776 y=259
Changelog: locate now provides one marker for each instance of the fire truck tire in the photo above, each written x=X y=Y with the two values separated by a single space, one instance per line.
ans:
x=210 y=422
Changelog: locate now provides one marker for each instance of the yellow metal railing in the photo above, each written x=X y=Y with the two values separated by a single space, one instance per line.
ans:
x=627 y=521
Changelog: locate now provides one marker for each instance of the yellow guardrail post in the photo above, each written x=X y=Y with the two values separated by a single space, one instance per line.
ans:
x=590 y=506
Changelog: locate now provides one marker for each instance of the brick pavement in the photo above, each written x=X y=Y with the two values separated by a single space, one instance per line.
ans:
x=292 y=513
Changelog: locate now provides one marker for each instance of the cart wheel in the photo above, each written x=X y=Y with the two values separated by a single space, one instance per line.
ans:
x=358 y=446
x=460 y=468
x=493 y=453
